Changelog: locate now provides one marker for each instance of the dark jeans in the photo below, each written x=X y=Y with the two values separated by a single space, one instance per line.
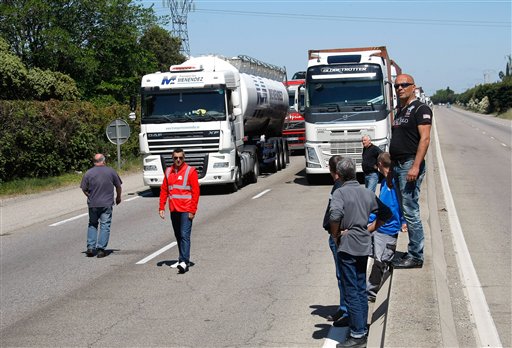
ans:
x=182 y=227
x=334 y=250
x=409 y=196
x=353 y=271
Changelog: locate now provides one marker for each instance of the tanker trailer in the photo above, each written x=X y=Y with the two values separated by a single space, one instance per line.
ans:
x=226 y=113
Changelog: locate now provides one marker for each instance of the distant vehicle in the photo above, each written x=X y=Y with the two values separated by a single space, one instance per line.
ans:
x=226 y=113
x=299 y=75
x=349 y=93
x=294 y=127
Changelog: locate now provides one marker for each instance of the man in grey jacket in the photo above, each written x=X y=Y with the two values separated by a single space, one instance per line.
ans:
x=351 y=206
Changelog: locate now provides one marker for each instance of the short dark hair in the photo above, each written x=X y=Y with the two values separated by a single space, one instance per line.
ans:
x=178 y=150
x=346 y=169
x=333 y=161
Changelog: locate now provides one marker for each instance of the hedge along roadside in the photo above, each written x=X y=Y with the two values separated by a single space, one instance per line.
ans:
x=45 y=139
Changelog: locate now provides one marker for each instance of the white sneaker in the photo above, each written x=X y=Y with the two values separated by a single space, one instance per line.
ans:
x=175 y=265
x=182 y=266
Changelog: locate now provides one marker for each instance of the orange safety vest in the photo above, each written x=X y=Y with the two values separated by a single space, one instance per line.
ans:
x=181 y=189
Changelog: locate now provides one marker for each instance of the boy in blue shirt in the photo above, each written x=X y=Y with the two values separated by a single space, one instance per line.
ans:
x=385 y=237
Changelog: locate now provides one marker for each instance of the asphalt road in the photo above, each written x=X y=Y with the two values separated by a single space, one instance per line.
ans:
x=477 y=158
x=263 y=274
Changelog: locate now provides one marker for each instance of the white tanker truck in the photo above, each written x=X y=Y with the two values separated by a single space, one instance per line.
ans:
x=226 y=113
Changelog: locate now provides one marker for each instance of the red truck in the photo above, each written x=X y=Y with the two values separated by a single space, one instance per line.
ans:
x=294 y=127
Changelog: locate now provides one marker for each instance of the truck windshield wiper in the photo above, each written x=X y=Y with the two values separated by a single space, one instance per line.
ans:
x=328 y=107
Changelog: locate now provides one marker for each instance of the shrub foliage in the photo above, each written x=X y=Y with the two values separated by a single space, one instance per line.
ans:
x=42 y=139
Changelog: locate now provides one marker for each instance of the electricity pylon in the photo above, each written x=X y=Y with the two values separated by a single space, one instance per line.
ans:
x=179 y=12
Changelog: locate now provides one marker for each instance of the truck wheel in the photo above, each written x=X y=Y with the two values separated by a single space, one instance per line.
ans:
x=253 y=176
x=237 y=184
x=282 y=154
x=155 y=191
x=286 y=151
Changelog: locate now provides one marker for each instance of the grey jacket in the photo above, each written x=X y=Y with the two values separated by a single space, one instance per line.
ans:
x=351 y=206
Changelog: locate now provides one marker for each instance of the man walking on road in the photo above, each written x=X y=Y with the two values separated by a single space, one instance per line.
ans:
x=409 y=144
x=181 y=187
x=98 y=185
x=369 y=164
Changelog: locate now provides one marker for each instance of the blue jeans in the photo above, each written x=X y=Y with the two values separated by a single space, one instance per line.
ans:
x=371 y=180
x=353 y=271
x=334 y=250
x=103 y=217
x=182 y=227
x=409 y=196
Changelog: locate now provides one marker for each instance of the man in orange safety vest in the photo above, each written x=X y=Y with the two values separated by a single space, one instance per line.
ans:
x=181 y=188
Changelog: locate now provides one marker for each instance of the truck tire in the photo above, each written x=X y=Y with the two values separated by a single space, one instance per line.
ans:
x=238 y=183
x=286 y=151
x=276 y=165
x=155 y=191
x=282 y=154
x=253 y=176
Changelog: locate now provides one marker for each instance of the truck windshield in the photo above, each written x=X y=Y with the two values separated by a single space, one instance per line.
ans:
x=340 y=93
x=184 y=106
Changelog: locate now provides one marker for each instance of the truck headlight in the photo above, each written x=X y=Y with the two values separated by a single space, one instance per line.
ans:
x=311 y=155
x=221 y=165
x=149 y=168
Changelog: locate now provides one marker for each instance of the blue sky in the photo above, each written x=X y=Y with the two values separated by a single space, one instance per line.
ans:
x=456 y=44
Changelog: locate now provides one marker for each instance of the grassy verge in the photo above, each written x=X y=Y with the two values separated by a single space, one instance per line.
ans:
x=36 y=185
x=506 y=115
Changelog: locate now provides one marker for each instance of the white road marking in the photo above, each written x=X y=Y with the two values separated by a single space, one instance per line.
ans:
x=82 y=215
x=67 y=220
x=131 y=199
x=156 y=253
x=486 y=331
x=504 y=145
x=261 y=194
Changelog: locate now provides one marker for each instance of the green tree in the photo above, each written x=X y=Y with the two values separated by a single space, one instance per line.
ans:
x=96 y=42
x=164 y=47
x=444 y=96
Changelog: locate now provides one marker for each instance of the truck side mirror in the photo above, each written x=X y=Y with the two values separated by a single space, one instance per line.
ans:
x=237 y=111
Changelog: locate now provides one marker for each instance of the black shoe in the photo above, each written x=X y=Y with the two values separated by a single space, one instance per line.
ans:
x=89 y=253
x=408 y=262
x=336 y=315
x=341 y=322
x=353 y=342
x=182 y=267
x=101 y=253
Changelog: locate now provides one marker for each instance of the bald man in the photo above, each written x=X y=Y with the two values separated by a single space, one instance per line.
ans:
x=409 y=144
x=98 y=185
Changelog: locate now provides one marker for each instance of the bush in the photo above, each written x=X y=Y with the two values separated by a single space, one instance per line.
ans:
x=43 y=139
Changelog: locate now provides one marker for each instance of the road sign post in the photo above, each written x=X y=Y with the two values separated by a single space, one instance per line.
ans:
x=118 y=132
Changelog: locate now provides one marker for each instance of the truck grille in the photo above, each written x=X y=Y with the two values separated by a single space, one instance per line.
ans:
x=196 y=144
x=346 y=149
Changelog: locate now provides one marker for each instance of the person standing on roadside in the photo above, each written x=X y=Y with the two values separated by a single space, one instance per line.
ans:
x=385 y=237
x=340 y=318
x=181 y=188
x=369 y=164
x=98 y=185
x=410 y=140
x=351 y=206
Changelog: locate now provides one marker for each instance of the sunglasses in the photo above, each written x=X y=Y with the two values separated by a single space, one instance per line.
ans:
x=403 y=85
x=178 y=158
